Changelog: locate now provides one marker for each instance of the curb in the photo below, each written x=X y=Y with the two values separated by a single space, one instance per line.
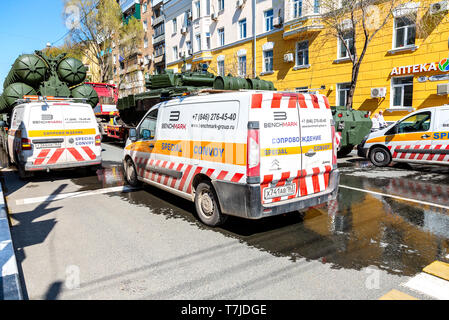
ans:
x=9 y=275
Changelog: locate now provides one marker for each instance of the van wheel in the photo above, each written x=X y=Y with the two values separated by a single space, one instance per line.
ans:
x=23 y=175
x=206 y=205
x=380 y=157
x=131 y=173
x=344 y=151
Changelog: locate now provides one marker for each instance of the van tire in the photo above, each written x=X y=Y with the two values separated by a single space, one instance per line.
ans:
x=207 y=206
x=131 y=173
x=344 y=151
x=380 y=157
x=23 y=175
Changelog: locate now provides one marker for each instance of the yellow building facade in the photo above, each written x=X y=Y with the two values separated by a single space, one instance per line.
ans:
x=407 y=75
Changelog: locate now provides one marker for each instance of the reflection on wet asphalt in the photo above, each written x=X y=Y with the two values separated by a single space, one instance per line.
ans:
x=355 y=231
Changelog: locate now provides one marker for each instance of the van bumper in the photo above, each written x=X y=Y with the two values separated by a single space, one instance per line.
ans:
x=244 y=200
x=66 y=165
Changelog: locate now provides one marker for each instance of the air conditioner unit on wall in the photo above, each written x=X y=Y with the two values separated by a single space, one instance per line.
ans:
x=240 y=3
x=183 y=30
x=189 y=14
x=288 y=57
x=277 y=21
x=443 y=89
x=378 y=92
x=214 y=16
x=439 y=7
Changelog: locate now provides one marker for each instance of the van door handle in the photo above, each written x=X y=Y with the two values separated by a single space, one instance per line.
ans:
x=151 y=145
x=310 y=153
x=425 y=136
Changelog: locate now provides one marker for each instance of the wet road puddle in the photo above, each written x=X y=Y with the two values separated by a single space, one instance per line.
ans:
x=355 y=231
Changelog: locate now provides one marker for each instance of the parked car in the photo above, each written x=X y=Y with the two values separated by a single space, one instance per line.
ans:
x=421 y=137
x=251 y=154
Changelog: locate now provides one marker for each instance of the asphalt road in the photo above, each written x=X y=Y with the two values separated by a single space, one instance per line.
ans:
x=84 y=235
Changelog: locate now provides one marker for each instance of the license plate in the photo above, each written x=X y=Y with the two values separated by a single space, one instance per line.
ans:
x=46 y=145
x=282 y=191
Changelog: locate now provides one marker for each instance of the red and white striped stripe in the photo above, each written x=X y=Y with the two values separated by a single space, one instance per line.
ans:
x=419 y=156
x=269 y=100
x=189 y=171
x=307 y=182
x=54 y=156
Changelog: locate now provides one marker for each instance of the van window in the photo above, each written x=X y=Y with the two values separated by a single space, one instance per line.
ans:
x=147 y=128
x=416 y=123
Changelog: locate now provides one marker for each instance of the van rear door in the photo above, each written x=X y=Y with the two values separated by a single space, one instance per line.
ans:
x=279 y=143
x=46 y=132
x=316 y=142
x=81 y=133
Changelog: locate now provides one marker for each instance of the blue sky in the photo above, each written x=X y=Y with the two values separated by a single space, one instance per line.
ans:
x=27 y=25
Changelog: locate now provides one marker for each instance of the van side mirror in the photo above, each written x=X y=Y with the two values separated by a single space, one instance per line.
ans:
x=132 y=134
x=393 y=130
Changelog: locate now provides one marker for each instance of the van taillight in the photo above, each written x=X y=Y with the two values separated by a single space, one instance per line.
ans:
x=253 y=152
x=98 y=140
x=26 y=144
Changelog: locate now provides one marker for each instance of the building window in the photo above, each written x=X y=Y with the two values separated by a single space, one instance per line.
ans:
x=145 y=25
x=349 y=40
x=402 y=90
x=175 y=25
x=198 y=42
x=242 y=28
x=220 y=5
x=242 y=66
x=342 y=93
x=175 y=53
x=207 y=40
x=208 y=7
x=145 y=42
x=144 y=8
x=268 y=61
x=297 y=8
x=187 y=21
x=302 y=53
x=189 y=47
x=221 y=37
x=316 y=6
x=198 y=9
x=268 y=16
x=404 y=32
x=220 y=68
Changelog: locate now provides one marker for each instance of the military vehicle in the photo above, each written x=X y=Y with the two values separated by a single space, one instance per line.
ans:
x=39 y=74
x=353 y=125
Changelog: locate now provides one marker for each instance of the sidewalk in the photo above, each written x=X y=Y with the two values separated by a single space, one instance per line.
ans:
x=9 y=276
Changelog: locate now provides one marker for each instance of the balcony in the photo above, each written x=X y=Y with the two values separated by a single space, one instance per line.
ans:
x=158 y=20
x=302 y=25
x=158 y=39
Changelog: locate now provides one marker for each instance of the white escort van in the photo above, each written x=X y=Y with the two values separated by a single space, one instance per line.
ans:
x=250 y=154
x=421 y=137
x=52 y=133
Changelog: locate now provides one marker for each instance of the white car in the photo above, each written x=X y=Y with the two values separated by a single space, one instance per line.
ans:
x=421 y=137
x=250 y=154
x=48 y=134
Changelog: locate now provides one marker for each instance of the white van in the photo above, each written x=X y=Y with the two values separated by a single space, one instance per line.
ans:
x=250 y=154
x=53 y=133
x=421 y=137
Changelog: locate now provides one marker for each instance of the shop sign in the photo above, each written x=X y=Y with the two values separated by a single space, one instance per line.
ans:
x=442 y=66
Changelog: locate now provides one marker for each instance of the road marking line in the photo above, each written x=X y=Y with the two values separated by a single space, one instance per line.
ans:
x=74 y=195
x=429 y=285
x=397 y=295
x=438 y=269
x=397 y=197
